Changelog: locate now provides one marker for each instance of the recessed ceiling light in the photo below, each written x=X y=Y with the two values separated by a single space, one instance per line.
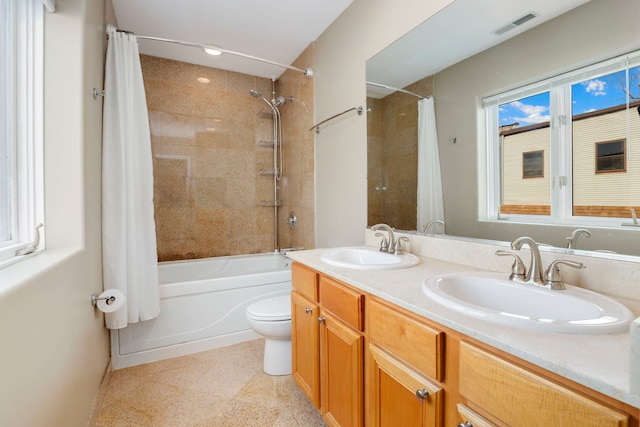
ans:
x=213 y=50
x=203 y=80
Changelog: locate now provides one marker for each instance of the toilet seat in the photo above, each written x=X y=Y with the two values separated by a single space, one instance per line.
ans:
x=271 y=309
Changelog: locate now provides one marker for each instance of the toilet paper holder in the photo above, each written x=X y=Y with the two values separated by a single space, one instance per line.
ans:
x=108 y=299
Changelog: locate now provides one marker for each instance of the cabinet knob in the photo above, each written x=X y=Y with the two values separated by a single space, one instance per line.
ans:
x=465 y=424
x=422 y=394
x=308 y=310
x=321 y=319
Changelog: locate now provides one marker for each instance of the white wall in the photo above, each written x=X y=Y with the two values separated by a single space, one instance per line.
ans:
x=364 y=29
x=54 y=345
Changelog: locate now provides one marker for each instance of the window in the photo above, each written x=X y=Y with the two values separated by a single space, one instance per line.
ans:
x=566 y=150
x=533 y=164
x=21 y=112
x=610 y=156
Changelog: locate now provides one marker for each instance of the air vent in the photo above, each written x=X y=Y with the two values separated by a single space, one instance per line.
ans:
x=513 y=24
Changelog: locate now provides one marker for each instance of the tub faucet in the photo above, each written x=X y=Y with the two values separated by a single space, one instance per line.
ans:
x=534 y=274
x=430 y=224
x=576 y=235
x=387 y=245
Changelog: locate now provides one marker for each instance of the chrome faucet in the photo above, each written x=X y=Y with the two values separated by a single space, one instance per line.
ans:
x=552 y=274
x=534 y=274
x=387 y=245
x=430 y=224
x=576 y=235
x=398 y=249
x=550 y=279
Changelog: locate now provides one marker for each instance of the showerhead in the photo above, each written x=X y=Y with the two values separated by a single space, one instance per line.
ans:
x=256 y=94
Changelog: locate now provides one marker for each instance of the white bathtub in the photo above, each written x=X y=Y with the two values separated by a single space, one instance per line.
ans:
x=202 y=306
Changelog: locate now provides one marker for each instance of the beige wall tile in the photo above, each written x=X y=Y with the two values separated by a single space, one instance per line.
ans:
x=208 y=141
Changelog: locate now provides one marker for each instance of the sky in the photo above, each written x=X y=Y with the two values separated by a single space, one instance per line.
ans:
x=589 y=95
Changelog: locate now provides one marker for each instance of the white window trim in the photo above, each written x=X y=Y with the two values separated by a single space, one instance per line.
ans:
x=28 y=182
x=490 y=172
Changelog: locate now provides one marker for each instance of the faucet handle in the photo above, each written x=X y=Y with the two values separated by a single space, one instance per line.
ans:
x=518 y=270
x=398 y=247
x=384 y=243
x=552 y=274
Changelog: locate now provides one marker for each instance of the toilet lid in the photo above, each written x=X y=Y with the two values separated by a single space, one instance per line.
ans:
x=271 y=309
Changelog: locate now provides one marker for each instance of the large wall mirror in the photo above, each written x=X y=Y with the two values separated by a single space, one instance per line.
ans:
x=475 y=49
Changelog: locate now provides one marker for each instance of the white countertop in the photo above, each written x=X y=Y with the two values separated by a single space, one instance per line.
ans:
x=600 y=362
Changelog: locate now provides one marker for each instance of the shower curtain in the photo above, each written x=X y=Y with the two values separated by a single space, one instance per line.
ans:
x=430 y=203
x=128 y=228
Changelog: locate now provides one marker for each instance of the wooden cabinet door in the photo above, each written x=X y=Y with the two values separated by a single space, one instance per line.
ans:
x=305 y=346
x=399 y=396
x=341 y=370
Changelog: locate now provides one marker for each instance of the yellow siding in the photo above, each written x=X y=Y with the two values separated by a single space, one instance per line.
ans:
x=606 y=189
x=518 y=190
x=589 y=188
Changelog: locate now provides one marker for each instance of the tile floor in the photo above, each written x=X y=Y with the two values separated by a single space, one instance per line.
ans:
x=222 y=387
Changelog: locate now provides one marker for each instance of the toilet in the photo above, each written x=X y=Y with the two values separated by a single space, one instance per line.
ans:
x=271 y=318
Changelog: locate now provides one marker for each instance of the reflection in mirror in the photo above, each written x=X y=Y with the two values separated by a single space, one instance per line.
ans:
x=564 y=36
x=392 y=154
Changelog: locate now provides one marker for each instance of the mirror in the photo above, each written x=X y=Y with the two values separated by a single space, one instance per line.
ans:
x=466 y=62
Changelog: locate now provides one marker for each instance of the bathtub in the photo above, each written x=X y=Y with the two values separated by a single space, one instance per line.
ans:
x=202 y=307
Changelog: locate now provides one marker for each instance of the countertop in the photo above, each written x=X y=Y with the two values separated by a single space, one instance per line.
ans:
x=600 y=362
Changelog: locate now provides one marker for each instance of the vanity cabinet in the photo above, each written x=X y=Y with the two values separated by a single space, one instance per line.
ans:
x=364 y=360
x=405 y=360
x=327 y=340
x=509 y=394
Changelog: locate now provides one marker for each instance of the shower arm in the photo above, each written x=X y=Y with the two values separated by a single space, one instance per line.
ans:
x=307 y=71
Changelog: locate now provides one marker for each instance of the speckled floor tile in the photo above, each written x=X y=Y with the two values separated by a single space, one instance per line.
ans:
x=216 y=388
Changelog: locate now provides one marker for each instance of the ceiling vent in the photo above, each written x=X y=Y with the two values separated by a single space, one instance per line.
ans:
x=513 y=24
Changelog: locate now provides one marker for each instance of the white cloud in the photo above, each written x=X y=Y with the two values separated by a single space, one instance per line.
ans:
x=595 y=87
x=533 y=113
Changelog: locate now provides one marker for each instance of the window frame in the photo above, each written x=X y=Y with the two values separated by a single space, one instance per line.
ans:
x=623 y=156
x=541 y=168
x=559 y=88
x=23 y=108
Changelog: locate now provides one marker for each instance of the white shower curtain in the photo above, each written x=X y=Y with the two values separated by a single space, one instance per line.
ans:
x=430 y=203
x=128 y=227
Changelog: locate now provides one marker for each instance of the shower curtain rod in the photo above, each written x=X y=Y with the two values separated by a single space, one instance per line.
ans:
x=307 y=71
x=397 y=89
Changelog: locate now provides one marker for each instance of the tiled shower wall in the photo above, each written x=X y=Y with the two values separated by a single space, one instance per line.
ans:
x=210 y=141
x=392 y=159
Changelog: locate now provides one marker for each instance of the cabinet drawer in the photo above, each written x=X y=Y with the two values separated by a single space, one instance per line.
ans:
x=516 y=396
x=413 y=342
x=305 y=281
x=466 y=416
x=343 y=302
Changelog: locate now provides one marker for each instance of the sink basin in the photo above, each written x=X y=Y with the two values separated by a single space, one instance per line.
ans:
x=363 y=258
x=492 y=297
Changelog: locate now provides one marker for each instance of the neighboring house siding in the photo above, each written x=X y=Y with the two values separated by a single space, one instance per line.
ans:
x=606 y=189
x=595 y=194
x=518 y=190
